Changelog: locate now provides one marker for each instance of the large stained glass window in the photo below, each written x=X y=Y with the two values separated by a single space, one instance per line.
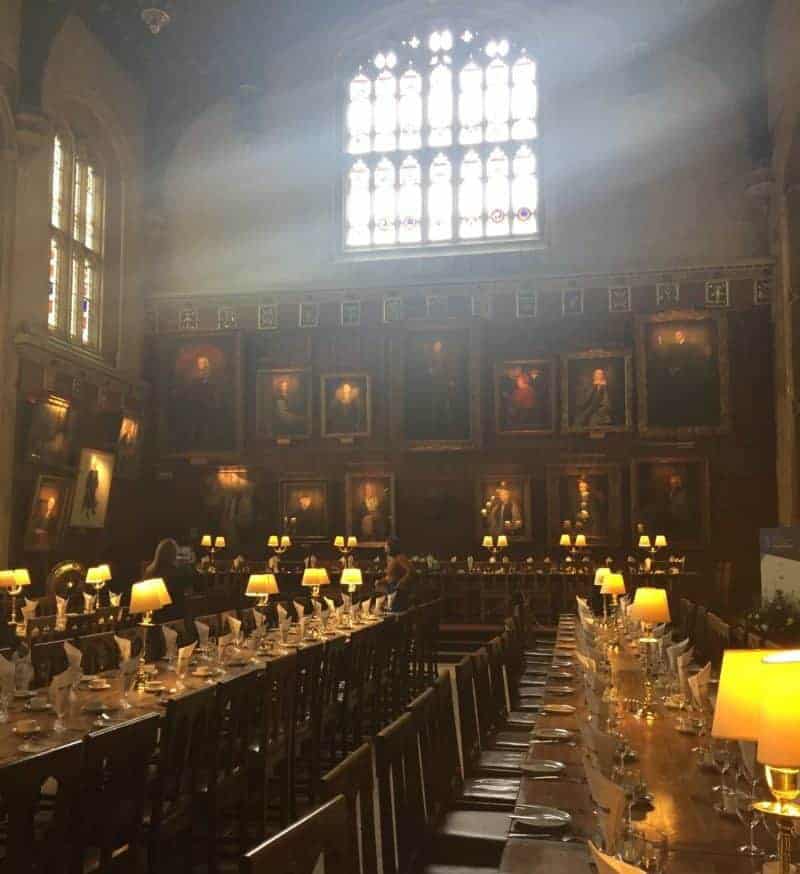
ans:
x=76 y=242
x=441 y=143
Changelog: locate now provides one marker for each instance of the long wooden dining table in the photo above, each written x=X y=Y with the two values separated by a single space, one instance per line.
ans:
x=683 y=797
x=91 y=709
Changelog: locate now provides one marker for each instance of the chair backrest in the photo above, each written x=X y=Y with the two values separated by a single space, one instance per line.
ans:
x=296 y=850
x=425 y=709
x=354 y=779
x=184 y=748
x=100 y=652
x=402 y=800
x=48 y=659
x=307 y=683
x=447 y=737
x=40 y=628
x=470 y=742
x=278 y=708
x=114 y=791
x=39 y=835
x=496 y=649
x=483 y=693
x=332 y=676
x=233 y=727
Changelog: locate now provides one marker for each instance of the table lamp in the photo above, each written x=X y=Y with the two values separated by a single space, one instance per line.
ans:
x=660 y=541
x=614 y=585
x=14 y=581
x=351 y=579
x=314 y=578
x=565 y=541
x=644 y=542
x=98 y=576
x=580 y=541
x=261 y=586
x=345 y=545
x=600 y=574
x=488 y=542
x=778 y=741
x=502 y=542
x=147 y=596
x=649 y=607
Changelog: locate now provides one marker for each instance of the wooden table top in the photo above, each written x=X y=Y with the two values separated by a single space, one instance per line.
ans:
x=699 y=839
x=79 y=722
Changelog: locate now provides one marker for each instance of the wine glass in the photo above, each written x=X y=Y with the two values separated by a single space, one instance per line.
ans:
x=181 y=669
x=60 y=702
x=127 y=679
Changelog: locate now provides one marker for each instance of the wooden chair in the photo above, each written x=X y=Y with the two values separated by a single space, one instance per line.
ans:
x=332 y=681
x=100 y=652
x=113 y=795
x=40 y=827
x=48 y=659
x=307 y=715
x=323 y=833
x=354 y=779
x=718 y=634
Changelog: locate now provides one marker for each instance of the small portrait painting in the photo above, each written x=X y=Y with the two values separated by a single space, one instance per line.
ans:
x=351 y=313
x=92 y=489
x=128 y=445
x=309 y=315
x=51 y=438
x=227 y=318
x=393 y=309
x=200 y=400
x=596 y=391
x=505 y=508
x=718 y=293
x=619 y=299
x=670 y=496
x=370 y=506
x=267 y=316
x=585 y=499
x=304 y=509
x=437 y=387
x=683 y=378
x=345 y=405
x=229 y=497
x=188 y=319
x=762 y=292
x=48 y=512
x=572 y=302
x=527 y=302
x=283 y=403
x=668 y=294
x=524 y=396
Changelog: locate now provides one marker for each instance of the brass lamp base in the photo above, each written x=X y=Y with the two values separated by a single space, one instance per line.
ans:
x=784 y=783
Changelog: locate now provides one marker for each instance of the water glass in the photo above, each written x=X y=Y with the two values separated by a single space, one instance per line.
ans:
x=127 y=680
x=60 y=702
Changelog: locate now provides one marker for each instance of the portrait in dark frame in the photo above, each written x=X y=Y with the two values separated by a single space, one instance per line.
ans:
x=47 y=514
x=370 y=507
x=504 y=507
x=201 y=404
x=437 y=387
x=129 y=445
x=585 y=499
x=346 y=405
x=525 y=396
x=51 y=438
x=683 y=374
x=304 y=509
x=596 y=391
x=670 y=496
x=283 y=403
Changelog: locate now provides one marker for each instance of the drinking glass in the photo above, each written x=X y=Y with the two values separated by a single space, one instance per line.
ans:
x=723 y=758
x=750 y=818
x=630 y=847
x=631 y=781
x=283 y=630
x=127 y=680
x=60 y=702
x=181 y=669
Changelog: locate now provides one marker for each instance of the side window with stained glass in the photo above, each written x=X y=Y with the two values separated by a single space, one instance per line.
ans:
x=441 y=143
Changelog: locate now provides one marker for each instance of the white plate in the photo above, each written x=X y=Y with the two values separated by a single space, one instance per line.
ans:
x=560 y=690
x=551 y=734
x=100 y=707
x=543 y=767
x=537 y=816
x=558 y=708
x=27 y=728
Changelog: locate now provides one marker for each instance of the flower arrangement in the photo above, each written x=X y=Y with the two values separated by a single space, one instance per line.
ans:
x=778 y=616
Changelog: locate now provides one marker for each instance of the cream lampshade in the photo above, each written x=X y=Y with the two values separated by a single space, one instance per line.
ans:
x=147 y=596
x=261 y=586
x=338 y=542
x=736 y=713
x=661 y=541
x=7 y=580
x=21 y=577
x=98 y=576
x=564 y=540
x=644 y=542
x=286 y=541
x=205 y=541
x=613 y=584
x=351 y=578
x=650 y=606
x=352 y=542
x=600 y=574
x=502 y=541
x=580 y=540
x=219 y=542
x=488 y=542
x=314 y=577
x=272 y=541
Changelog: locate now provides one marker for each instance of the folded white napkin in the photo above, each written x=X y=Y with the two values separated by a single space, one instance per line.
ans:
x=185 y=652
x=317 y=607
x=61 y=605
x=224 y=641
x=235 y=625
x=347 y=601
x=365 y=607
x=302 y=626
x=63 y=680
x=674 y=651
x=114 y=599
x=611 y=799
x=89 y=602
x=330 y=604
x=6 y=676
x=28 y=610
x=300 y=609
x=23 y=671
x=610 y=864
x=202 y=632
x=124 y=646
x=259 y=618
x=282 y=614
x=379 y=602
x=170 y=641
x=73 y=654
x=698 y=686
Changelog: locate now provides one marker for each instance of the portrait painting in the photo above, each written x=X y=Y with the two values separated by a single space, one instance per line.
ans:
x=48 y=512
x=585 y=499
x=200 y=396
x=437 y=387
x=229 y=497
x=505 y=508
x=524 y=395
x=304 y=509
x=92 y=490
x=129 y=443
x=346 y=405
x=51 y=438
x=370 y=507
x=596 y=389
x=670 y=496
x=683 y=374
x=283 y=403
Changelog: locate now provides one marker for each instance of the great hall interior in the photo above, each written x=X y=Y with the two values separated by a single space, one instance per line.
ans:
x=399 y=453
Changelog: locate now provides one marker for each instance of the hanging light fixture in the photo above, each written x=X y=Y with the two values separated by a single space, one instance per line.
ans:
x=156 y=17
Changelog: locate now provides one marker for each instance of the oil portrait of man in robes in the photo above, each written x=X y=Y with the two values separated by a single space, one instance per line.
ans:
x=596 y=389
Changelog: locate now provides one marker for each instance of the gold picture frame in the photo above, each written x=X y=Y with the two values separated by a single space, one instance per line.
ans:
x=346 y=405
x=604 y=524
x=512 y=402
x=619 y=400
